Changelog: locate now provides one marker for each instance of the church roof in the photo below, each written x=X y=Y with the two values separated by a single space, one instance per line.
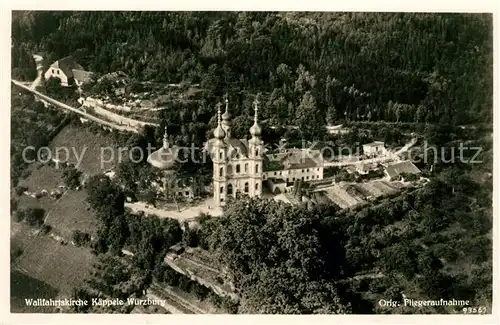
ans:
x=235 y=146
x=164 y=158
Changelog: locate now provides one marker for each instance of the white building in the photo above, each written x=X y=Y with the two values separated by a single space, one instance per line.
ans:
x=398 y=170
x=240 y=166
x=375 y=148
x=68 y=71
x=294 y=164
x=237 y=163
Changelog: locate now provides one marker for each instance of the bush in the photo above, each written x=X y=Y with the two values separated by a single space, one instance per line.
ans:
x=21 y=189
x=190 y=236
x=229 y=305
x=13 y=205
x=71 y=177
x=34 y=216
x=19 y=215
x=171 y=277
x=80 y=238
x=45 y=229
x=200 y=291
x=15 y=252
x=185 y=283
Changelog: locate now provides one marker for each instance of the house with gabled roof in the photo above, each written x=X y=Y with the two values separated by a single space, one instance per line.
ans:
x=398 y=170
x=68 y=71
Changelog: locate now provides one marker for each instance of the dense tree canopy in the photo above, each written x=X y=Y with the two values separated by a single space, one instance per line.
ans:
x=354 y=66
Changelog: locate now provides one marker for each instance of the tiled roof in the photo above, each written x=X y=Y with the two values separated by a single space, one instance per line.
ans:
x=67 y=65
x=81 y=75
x=404 y=167
x=374 y=144
x=293 y=159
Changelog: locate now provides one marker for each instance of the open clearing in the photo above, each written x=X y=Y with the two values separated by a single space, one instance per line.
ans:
x=42 y=177
x=22 y=287
x=86 y=145
x=60 y=266
x=72 y=212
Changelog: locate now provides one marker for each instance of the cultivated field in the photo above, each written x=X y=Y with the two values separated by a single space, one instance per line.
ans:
x=83 y=142
x=42 y=177
x=60 y=266
x=22 y=287
x=72 y=212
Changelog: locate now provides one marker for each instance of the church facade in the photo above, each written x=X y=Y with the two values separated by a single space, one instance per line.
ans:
x=242 y=166
x=237 y=163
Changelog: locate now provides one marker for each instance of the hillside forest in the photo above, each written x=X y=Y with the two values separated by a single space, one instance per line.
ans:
x=386 y=76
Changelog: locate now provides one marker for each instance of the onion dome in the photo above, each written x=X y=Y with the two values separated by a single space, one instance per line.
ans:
x=226 y=117
x=219 y=132
x=255 y=130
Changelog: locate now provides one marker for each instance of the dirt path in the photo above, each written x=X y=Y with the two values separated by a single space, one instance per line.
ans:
x=388 y=156
x=184 y=215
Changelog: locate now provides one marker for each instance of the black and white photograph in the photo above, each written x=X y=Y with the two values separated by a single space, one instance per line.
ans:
x=251 y=162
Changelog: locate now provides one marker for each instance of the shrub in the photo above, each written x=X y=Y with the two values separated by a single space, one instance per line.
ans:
x=19 y=215
x=13 y=205
x=15 y=252
x=34 y=216
x=80 y=238
x=21 y=189
x=45 y=229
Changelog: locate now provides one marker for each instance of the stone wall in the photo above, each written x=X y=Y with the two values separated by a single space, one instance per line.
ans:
x=99 y=108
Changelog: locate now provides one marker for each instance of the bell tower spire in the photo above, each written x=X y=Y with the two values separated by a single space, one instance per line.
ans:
x=165 y=139
x=255 y=130
x=226 y=119
x=256 y=151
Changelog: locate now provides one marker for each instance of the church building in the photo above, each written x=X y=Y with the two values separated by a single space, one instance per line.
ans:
x=237 y=163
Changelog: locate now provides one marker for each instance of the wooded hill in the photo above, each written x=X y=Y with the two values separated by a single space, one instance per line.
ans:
x=310 y=67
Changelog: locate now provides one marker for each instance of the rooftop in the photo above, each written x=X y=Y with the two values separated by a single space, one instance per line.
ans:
x=404 y=167
x=164 y=158
x=293 y=159
x=374 y=144
x=67 y=65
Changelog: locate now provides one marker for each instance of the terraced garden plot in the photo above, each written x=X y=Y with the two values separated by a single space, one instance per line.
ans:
x=372 y=189
x=23 y=286
x=83 y=142
x=72 y=212
x=332 y=195
x=354 y=192
x=386 y=189
x=60 y=266
x=366 y=190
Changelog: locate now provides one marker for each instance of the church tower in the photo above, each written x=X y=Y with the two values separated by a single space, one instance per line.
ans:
x=226 y=120
x=219 y=162
x=255 y=153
